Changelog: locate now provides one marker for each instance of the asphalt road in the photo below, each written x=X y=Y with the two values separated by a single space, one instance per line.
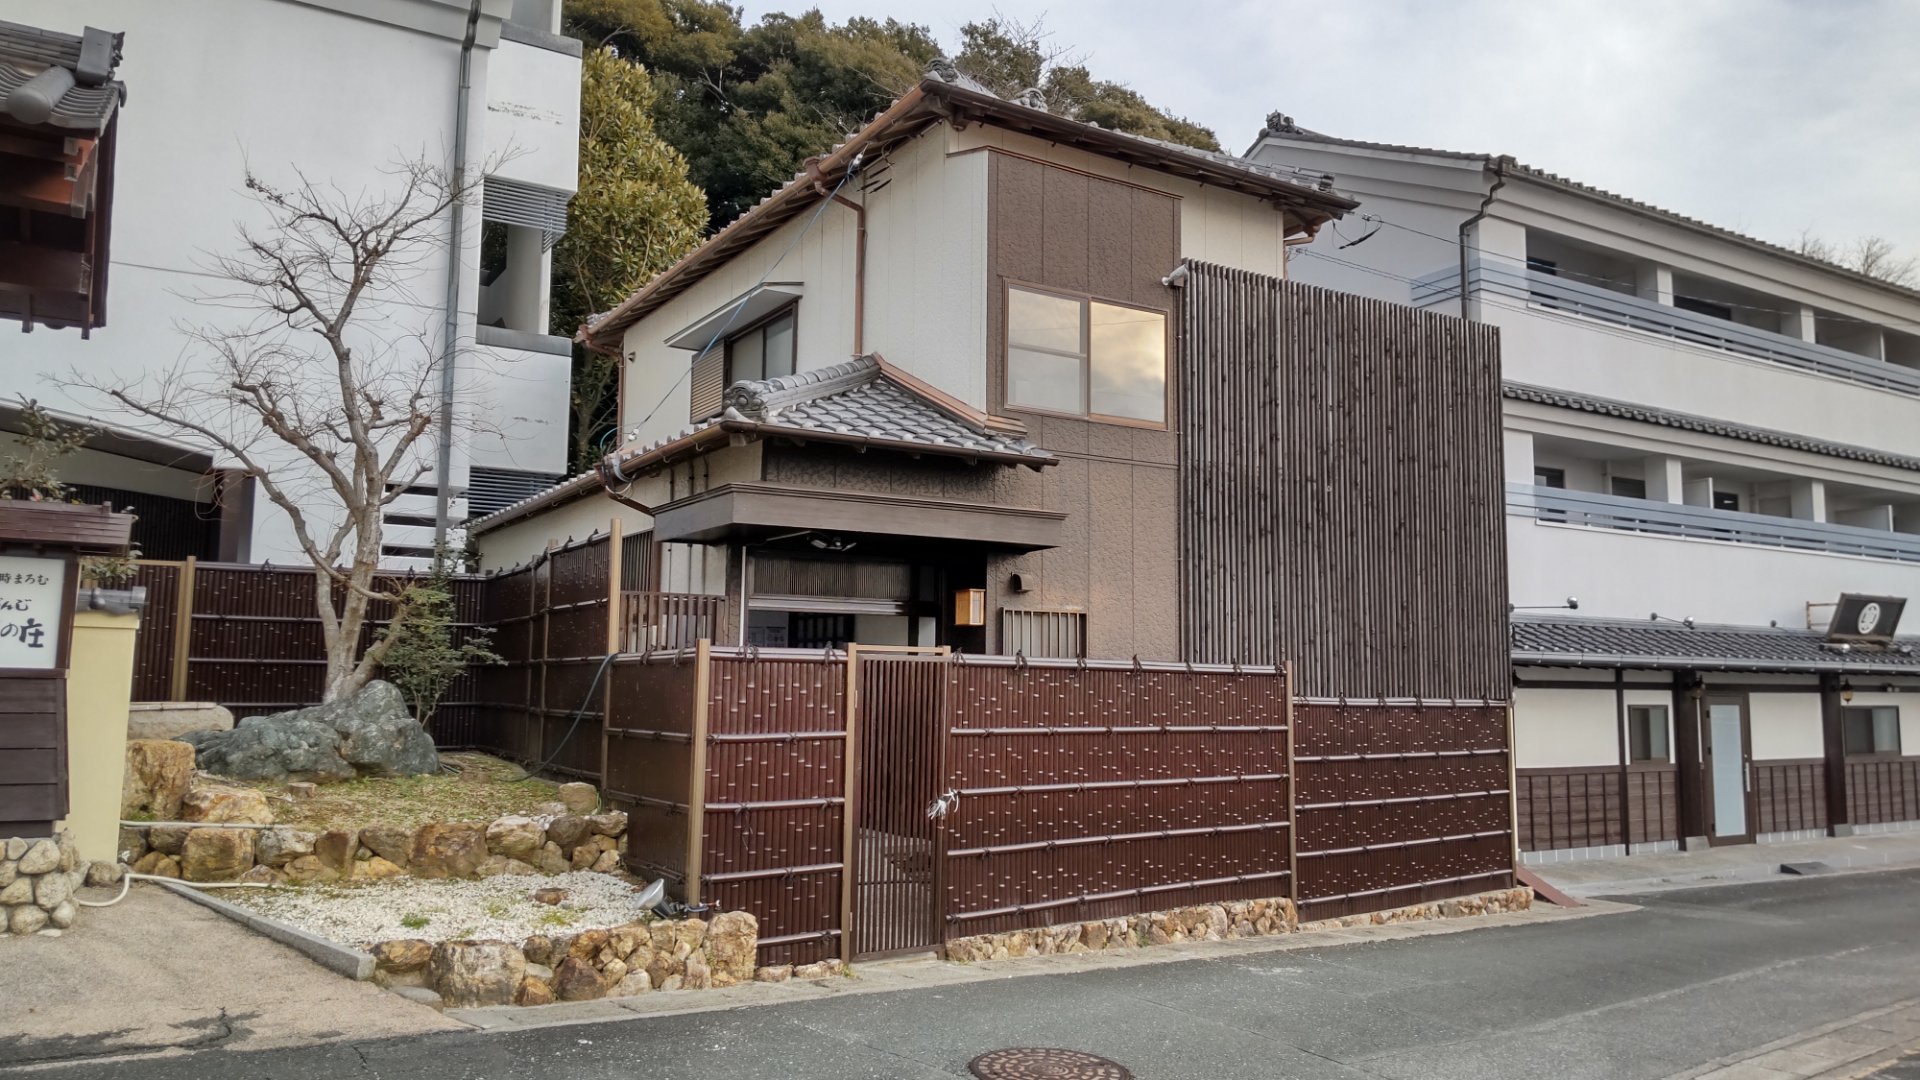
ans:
x=1694 y=976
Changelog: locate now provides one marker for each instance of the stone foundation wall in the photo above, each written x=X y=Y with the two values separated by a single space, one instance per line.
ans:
x=37 y=881
x=622 y=961
x=1210 y=922
x=554 y=841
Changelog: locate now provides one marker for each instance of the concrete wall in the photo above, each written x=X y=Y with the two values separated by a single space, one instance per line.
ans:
x=99 y=686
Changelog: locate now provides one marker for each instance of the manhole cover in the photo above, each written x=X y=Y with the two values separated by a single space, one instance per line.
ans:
x=1045 y=1063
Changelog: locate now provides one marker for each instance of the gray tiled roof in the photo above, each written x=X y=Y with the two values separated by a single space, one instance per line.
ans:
x=88 y=103
x=1706 y=425
x=858 y=399
x=1572 y=642
x=1282 y=127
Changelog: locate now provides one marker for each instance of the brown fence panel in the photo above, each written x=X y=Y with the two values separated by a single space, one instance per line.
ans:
x=773 y=823
x=1089 y=790
x=153 y=644
x=650 y=739
x=1400 y=804
x=575 y=585
x=898 y=739
x=504 y=691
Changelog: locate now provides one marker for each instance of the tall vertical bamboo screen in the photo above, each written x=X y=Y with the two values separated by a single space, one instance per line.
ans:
x=1341 y=502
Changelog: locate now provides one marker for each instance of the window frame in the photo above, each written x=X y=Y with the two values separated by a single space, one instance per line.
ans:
x=1666 y=734
x=1551 y=473
x=757 y=325
x=1085 y=356
x=1848 y=751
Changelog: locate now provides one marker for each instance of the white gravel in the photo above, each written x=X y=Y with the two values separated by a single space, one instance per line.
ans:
x=496 y=907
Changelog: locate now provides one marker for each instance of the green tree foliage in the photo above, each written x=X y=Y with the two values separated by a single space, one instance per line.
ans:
x=635 y=213
x=422 y=658
x=748 y=104
x=29 y=471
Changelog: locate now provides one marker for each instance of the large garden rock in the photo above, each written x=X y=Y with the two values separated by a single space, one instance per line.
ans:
x=172 y=719
x=367 y=734
x=281 y=845
x=279 y=747
x=217 y=854
x=515 y=837
x=732 y=940
x=448 y=851
x=468 y=974
x=156 y=777
x=390 y=842
x=217 y=804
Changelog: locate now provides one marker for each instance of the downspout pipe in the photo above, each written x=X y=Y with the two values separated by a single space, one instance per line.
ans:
x=456 y=244
x=1499 y=167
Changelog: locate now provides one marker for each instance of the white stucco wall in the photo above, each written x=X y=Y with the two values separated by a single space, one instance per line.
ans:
x=1565 y=728
x=533 y=115
x=309 y=86
x=1628 y=575
x=1785 y=726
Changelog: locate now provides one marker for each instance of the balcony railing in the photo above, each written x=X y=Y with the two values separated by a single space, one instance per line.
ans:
x=1570 y=297
x=653 y=621
x=1559 y=506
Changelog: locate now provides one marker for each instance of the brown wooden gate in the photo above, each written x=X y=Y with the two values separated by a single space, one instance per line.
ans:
x=897 y=708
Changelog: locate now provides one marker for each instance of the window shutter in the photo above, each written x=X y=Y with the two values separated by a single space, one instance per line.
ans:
x=1043 y=633
x=709 y=384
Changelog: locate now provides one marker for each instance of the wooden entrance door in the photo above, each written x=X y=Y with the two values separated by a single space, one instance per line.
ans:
x=898 y=730
x=1729 y=768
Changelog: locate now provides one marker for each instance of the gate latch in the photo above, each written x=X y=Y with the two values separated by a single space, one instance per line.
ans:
x=941 y=806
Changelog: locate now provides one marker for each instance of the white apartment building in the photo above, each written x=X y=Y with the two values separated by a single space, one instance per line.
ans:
x=340 y=91
x=1708 y=440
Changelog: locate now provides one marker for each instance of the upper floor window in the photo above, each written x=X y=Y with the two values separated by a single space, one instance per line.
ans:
x=762 y=352
x=1086 y=357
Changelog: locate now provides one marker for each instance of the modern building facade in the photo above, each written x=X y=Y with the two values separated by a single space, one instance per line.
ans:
x=341 y=92
x=1708 y=440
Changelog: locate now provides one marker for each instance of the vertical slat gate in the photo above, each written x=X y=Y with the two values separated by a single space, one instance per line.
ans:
x=899 y=734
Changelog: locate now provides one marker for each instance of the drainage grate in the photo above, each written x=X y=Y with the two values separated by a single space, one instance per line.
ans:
x=1045 y=1063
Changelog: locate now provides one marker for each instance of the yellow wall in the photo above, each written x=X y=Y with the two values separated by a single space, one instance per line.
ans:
x=99 y=686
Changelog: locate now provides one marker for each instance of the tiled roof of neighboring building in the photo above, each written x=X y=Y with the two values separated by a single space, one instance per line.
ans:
x=1571 y=642
x=863 y=402
x=1281 y=126
x=59 y=79
x=1689 y=422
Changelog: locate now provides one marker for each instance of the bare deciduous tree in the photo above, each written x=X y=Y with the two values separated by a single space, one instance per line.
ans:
x=1874 y=256
x=318 y=387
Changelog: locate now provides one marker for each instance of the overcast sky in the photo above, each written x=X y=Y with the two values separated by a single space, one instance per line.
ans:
x=1764 y=116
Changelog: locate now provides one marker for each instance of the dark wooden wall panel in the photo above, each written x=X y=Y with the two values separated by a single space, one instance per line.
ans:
x=1883 y=789
x=33 y=754
x=1791 y=794
x=1341 y=496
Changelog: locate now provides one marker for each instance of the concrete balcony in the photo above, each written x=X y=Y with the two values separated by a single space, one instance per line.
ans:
x=1513 y=286
x=1593 y=510
x=517 y=388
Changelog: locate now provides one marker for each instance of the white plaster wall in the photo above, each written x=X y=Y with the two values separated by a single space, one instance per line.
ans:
x=295 y=85
x=655 y=401
x=533 y=115
x=1785 y=726
x=521 y=401
x=1627 y=575
x=927 y=267
x=1565 y=728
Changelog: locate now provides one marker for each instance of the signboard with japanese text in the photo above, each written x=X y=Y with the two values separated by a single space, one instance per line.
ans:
x=33 y=593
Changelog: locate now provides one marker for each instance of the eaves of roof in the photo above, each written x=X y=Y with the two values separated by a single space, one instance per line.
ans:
x=1541 y=395
x=1511 y=167
x=1626 y=643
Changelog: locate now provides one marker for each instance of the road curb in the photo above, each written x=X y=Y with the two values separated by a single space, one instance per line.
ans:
x=335 y=957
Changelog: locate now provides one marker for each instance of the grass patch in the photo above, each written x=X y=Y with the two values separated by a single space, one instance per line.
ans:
x=485 y=788
x=414 y=920
x=558 y=918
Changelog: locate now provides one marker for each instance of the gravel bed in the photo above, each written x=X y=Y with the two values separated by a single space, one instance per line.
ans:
x=497 y=907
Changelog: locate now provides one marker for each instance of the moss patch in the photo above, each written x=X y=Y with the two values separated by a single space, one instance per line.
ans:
x=484 y=788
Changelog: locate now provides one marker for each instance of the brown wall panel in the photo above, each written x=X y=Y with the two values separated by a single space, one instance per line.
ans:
x=1341 y=493
x=1883 y=789
x=1791 y=795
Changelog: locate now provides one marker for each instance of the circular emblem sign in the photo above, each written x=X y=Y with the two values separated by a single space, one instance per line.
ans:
x=1869 y=618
